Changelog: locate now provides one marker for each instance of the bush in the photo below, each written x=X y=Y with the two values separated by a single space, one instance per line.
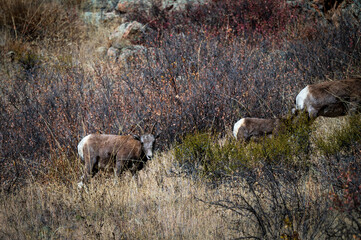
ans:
x=193 y=153
x=230 y=17
x=200 y=153
x=37 y=20
x=340 y=172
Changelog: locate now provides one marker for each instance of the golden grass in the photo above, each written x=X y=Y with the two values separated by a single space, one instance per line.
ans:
x=151 y=206
x=326 y=126
x=156 y=204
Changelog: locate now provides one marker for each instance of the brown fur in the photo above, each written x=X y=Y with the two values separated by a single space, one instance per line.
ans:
x=258 y=127
x=100 y=151
x=333 y=99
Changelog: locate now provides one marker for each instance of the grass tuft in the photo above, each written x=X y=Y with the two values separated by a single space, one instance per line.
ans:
x=38 y=20
x=342 y=139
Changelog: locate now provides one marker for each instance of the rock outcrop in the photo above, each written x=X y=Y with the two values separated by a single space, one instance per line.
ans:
x=127 y=39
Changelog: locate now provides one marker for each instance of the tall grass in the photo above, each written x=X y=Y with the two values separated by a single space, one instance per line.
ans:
x=37 y=19
x=154 y=205
x=267 y=201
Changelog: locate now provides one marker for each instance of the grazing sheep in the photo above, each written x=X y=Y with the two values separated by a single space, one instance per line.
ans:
x=330 y=99
x=127 y=152
x=246 y=128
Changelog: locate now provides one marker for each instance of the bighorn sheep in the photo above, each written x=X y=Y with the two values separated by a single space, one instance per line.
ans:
x=99 y=151
x=330 y=99
x=246 y=128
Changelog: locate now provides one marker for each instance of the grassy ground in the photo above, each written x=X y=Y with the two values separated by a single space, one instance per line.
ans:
x=164 y=202
x=154 y=205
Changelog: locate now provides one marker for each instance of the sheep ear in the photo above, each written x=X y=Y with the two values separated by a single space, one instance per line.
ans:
x=136 y=137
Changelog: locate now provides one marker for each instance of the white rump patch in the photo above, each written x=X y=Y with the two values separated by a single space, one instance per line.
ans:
x=237 y=126
x=81 y=145
x=80 y=184
x=301 y=97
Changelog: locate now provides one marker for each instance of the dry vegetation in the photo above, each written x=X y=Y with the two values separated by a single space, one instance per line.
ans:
x=201 y=74
x=154 y=205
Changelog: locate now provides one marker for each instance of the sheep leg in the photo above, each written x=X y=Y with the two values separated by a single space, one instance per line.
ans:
x=119 y=166
x=312 y=112
x=89 y=168
x=136 y=166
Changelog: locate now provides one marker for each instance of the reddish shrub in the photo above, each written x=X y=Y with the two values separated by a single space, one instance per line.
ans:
x=227 y=16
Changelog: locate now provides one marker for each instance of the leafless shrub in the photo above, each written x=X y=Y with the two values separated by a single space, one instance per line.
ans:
x=276 y=202
x=190 y=82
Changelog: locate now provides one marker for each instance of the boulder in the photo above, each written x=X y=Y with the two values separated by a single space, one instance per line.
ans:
x=126 y=34
x=130 y=53
x=92 y=17
x=177 y=5
x=97 y=5
x=102 y=51
x=125 y=6
x=113 y=54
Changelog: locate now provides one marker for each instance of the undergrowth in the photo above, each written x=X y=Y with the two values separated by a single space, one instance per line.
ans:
x=204 y=154
x=294 y=146
x=39 y=20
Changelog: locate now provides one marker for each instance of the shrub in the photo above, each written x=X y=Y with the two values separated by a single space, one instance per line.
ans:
x=193 y=153
x=37 y=19
x=275 y=202
x=202 y=154
x=340 y=172
x=347 y=197
x=230 y=17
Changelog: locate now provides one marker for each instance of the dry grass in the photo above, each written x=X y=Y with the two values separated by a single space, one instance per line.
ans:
x=326 y=126
x=155 y=205
x=159 y=204
x=38 y=20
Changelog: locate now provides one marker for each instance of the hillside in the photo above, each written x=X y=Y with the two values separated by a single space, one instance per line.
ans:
x=191 y=69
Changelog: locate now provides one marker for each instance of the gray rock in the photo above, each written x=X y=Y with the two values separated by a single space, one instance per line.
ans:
x=125 y=6
x=129 y=53
x=126 y=34
x=92 y=17
x=97 y=5
x=113 y=54
x=109 y=16
x=101 y=51
x=180 y=4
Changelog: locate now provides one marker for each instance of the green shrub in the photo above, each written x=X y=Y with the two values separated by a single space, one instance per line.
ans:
x=193 y=152
x=201 y=152
x=29 y=60
x=291 y=146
